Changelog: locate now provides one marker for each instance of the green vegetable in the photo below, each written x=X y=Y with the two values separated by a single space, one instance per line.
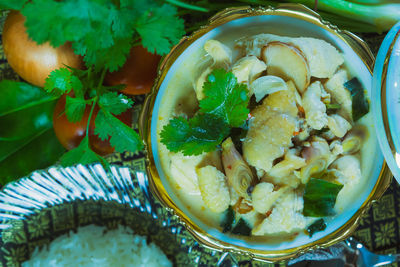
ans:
x=26 y=115
x=122 y=137
x=229 y=220
x=27 y=155
x=225 y=105
x=242 y=228
x=225 y=98
x=202 y=133
x=320 y=198
x=82 y=154
x=102 y=31
x=317 y=226
x=360 y=105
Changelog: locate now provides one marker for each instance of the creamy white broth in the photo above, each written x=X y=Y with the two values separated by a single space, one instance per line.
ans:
x=181 y=85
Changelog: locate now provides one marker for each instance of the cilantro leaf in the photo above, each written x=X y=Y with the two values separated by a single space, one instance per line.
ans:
x=202 y=133
x=317 y=226
x=160 y=28
x=225 y=98
x=63 y=81
x=81 y=154
x=320 y=197
x=74 y=108
x=115 y=103
x=12 y=4
x=123 y=138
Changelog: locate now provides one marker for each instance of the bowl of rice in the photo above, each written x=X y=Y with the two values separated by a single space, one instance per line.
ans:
x=86 y=216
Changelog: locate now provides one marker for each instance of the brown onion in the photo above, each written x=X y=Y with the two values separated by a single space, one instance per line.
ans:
x=29 y=60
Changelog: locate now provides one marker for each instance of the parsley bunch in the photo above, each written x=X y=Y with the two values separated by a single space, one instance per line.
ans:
x=102 y=31
x=224 y=107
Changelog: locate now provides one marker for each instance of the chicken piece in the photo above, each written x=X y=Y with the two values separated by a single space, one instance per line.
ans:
x=284 y=168
x=323 y=59
x=213 y=188
x=314 y=108
x=338 y=125
x=283 y=101
x=263 y=196
x=340 y=95
x=183 y=169
x=247 y=69
x=349 y=167
x=286 y=216
x=269 y=135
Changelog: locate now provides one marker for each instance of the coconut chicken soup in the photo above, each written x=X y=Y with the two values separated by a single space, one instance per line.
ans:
x=266 y=136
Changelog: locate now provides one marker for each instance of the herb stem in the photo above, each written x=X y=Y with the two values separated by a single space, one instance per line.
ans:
x=103 y=74
x=90 y=115
x=187 y=6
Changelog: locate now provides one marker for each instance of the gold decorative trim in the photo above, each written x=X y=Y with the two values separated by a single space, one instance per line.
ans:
x=290 y=10
x=384 y=106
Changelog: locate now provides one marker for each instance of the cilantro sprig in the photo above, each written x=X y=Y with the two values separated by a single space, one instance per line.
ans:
x=224 y=107
x=103 y=31
x=107 y=126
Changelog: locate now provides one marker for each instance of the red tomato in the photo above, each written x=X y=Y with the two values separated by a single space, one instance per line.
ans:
x=138 y=73
x=71 y=134
x=31 y=61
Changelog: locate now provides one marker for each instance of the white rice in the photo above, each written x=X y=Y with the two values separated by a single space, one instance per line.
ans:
x=94 y=246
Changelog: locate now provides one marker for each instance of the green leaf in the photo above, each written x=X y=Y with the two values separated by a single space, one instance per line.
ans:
x=63 y=81
x=228 y=220
x=225 y=98
x=25 y=156
x=115 y=103
x=317 y=226
x=123 y=138
x=242 y=228
x=160 y=28
x=28 y=121
x=74 y=108
x=202 y=133
x=12 y=4
x=81 y=155
x=320 y=198
x=17 y=96
x=360 y=105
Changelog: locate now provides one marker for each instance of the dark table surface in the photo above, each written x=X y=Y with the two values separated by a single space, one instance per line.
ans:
x=379 y=229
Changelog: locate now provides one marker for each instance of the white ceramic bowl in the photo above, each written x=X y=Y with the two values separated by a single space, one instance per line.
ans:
x=290 y=20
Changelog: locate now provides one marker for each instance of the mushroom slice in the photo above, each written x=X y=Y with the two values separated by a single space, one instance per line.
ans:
x=213 y=188
x=221 y=54
x=267 y=85
x=288 y=62
x=317 y=156
x=338 y=125
x=222 y=58
x=263 y=196
x=237 y=171
x=354 y=139
x=335 y=87
x=314 y=108
x=248 y=68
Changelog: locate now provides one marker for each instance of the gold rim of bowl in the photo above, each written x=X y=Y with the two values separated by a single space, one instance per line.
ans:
x=290 y=10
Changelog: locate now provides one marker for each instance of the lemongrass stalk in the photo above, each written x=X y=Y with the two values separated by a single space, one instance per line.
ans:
x=383 y=15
